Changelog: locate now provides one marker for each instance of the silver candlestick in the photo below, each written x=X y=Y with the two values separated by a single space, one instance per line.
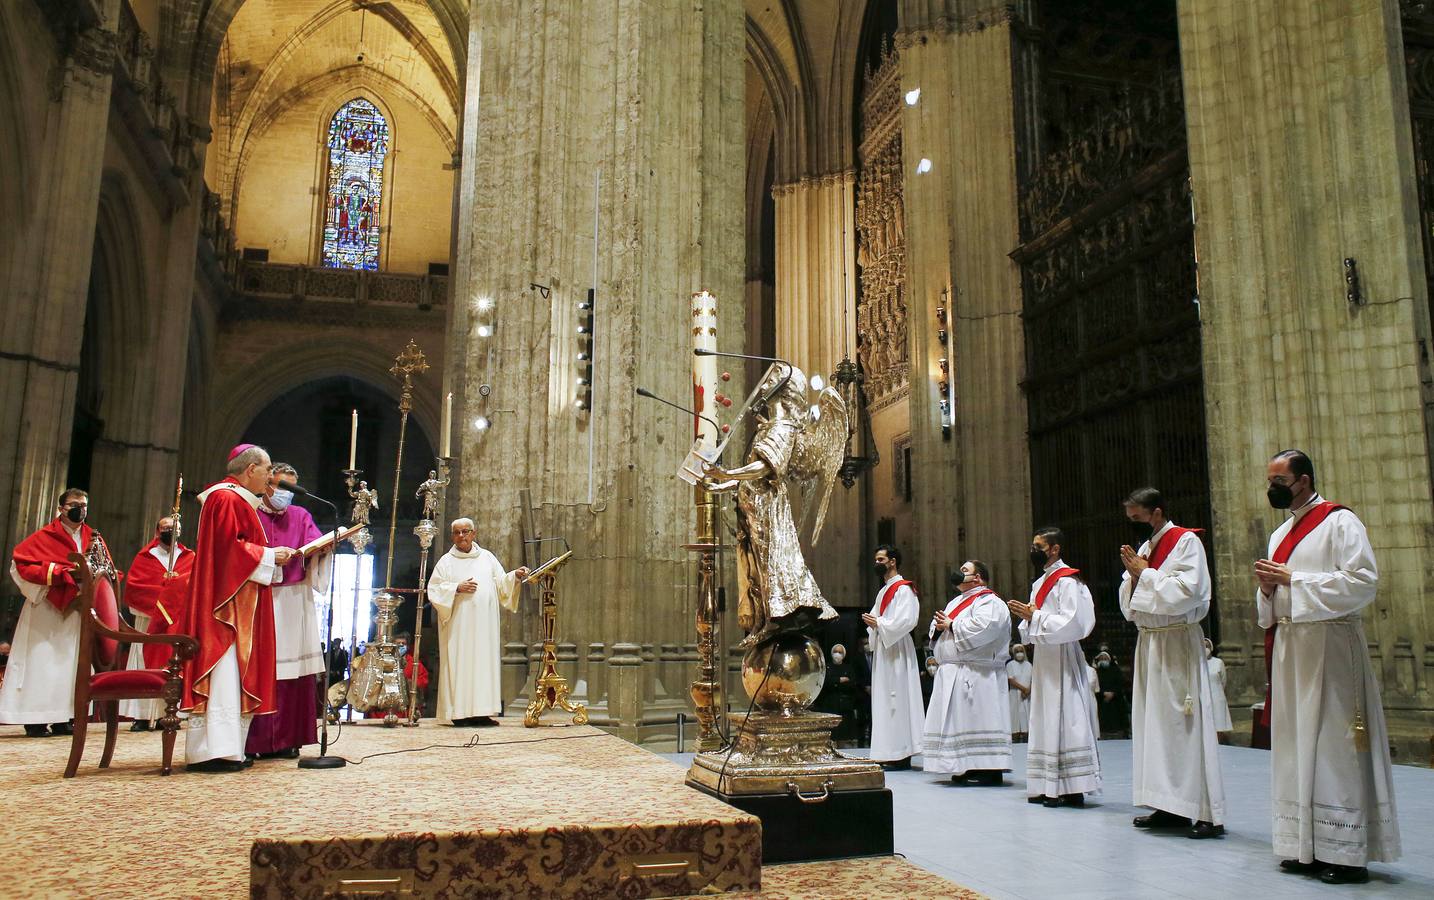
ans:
x=433 y=492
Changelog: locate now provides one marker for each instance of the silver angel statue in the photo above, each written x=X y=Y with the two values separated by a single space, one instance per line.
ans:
x=365 y=499
x=796 y=445
x=431 y=492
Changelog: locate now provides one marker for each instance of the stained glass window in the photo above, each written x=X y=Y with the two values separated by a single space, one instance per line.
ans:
x=358 y=143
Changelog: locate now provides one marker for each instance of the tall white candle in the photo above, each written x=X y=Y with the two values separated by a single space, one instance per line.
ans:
x=447 y=426
x=353 y=441
x=705 y=383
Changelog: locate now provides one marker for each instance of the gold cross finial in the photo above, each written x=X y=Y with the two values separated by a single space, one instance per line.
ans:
x=409 y=363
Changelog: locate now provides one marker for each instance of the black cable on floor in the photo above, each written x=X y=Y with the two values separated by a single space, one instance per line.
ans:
x=473 y=743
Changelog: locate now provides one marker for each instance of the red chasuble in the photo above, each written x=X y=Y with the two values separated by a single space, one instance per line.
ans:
x=889 y=593
x=225 y=608
x=43 y=558
x=1310 y=521
x=1050 y=583
x=148 y=591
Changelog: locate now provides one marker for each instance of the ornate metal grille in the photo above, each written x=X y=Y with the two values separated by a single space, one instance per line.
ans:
x=1114 y=385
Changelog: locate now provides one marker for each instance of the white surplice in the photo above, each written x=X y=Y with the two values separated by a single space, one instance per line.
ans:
x=1020 y=704
x=298 y=641
x=1216 y=667
x=39 y=684
x=897 y=719
x=1061 y=755
x=968 y=722
x=470 y=668
x=221 y=730
x=1175 y=752
x=1331 y=799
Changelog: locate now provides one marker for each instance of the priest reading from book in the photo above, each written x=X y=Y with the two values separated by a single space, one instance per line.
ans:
x=231 y=614
x=298 y=646
x=466 y=589
x=155 y=591
x=39 y=689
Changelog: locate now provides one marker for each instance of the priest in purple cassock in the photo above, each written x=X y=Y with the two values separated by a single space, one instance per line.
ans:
x=298 y=657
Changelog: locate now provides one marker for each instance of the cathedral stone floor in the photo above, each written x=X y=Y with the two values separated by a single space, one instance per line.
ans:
x=990 y=840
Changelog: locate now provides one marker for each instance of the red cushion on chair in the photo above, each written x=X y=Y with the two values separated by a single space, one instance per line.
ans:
x=138 y=680
x=107 y=611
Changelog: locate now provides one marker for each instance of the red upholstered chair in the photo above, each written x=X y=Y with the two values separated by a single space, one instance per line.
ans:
x=100 y=675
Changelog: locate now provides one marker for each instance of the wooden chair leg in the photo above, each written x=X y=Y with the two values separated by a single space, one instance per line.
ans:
x=111 y=708
x=170 y=731
x=77 y=745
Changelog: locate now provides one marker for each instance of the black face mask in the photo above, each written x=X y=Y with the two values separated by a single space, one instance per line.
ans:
x=1142 y=530
x=1280 y=495
x=1038 y=559
x=75 y=514
x=878 y=569
x=166 y=538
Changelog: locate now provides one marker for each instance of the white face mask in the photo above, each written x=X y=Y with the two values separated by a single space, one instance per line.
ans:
x=931 y=670
x=838 y=658
x=280 y=500
x=1209 y=652
x=1021 y=657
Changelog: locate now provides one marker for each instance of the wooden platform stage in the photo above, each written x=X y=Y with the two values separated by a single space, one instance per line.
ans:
x=425 y=812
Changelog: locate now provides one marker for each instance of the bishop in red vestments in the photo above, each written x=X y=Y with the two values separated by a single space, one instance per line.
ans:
x=231 y=614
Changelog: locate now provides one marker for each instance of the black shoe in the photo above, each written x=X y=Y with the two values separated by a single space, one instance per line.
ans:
x=1036 y=799
x=248 y=761
x=897 y=765
x=984 y=778
x=137 y=725
x=37 y=731
x=483 y=722
x=1345 y=875
x=1076 y=800
x=1296 y=867
x=1160 y=819
x=215 y=766
x=1202 y=830
x=1050 y=802
x=60 y=728
x=291 y=753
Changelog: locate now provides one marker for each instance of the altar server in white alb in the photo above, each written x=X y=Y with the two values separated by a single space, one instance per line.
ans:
x=968 y=722
x=1216 y=666
x=1018 y=691
x=1332 y=794
x=467 y=587
x=897 y=720
x=1165 y=591
x=1062 y=762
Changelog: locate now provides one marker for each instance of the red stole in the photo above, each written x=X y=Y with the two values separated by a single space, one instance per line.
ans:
x=968 y=601
x=1309 y=522
x=225 y=608
x=44 y=558
x=1050 y=582
x=890 y=592
x=1167 y=543
x=148 y=591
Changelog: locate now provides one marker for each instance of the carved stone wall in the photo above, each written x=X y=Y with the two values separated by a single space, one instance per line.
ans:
x=881 y=239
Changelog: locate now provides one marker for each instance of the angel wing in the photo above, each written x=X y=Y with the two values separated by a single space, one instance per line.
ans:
x=818 y=455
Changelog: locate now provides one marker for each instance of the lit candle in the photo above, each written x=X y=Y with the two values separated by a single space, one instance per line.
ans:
x=353 y=440
x=447 y=426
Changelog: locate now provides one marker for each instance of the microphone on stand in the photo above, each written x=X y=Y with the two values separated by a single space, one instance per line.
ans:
x=323 y=760
x=644 y=392
x=700 y=351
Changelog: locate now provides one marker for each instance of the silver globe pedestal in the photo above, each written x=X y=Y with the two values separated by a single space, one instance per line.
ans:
x=782 y=747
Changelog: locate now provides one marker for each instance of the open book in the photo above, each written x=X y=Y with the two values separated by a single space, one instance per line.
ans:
x=326 y=540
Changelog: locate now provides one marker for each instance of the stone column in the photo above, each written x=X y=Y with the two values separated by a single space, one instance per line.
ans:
x=971 y=492
x=1300 y=158
x=45 y=310
x=816 y=328
x=648 y=98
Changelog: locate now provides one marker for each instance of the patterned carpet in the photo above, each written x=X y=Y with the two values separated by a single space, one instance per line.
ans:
x=556 y=811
